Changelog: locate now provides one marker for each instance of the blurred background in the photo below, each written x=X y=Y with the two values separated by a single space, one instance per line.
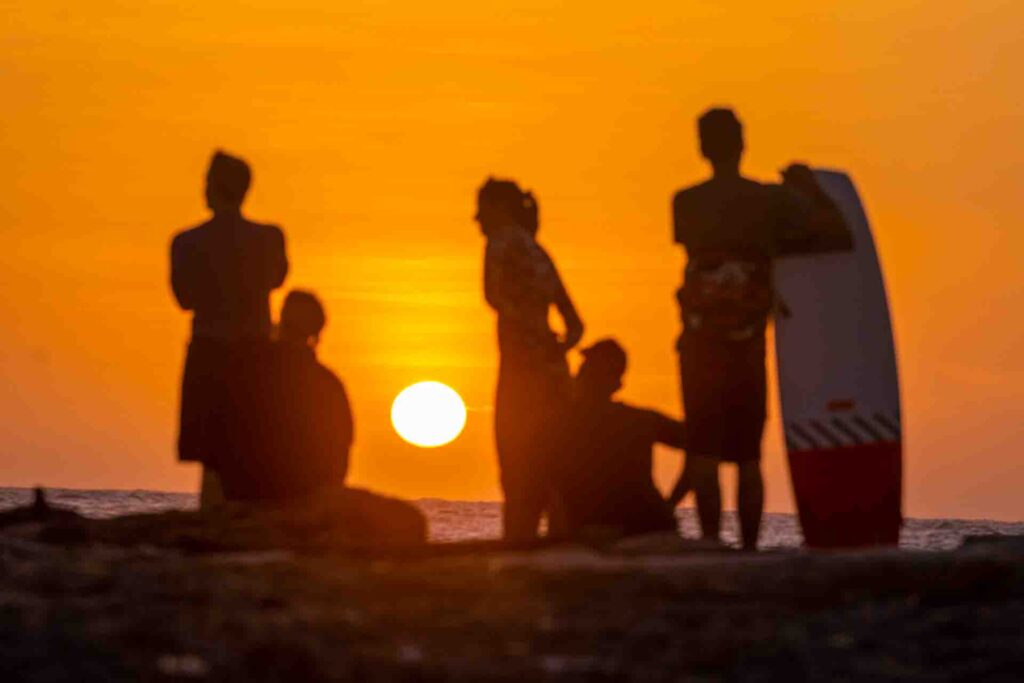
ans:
x=369 y=128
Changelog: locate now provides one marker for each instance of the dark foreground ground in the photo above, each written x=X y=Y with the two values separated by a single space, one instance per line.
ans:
x=102 y=610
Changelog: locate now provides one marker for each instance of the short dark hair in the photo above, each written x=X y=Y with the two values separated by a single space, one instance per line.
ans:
x=229 y=177
x=721 y=133
x=302 y=315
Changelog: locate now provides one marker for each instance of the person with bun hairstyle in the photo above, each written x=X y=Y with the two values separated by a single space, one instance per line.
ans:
x=521 y=284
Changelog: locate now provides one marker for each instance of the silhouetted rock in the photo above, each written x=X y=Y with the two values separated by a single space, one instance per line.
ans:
x=352 y=520
x=39 y=511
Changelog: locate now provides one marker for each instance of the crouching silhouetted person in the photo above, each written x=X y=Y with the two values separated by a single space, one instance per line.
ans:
x=604 y=473
x=290 y=433
x=223 y=271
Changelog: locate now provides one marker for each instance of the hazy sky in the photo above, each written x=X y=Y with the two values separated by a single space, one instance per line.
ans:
x=369 y=127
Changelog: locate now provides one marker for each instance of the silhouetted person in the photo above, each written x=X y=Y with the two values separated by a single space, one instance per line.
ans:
x=288 y=438
x=521 y=284
x=290 y=429
x=223 y=271
x=732 y=227
x=606 y=453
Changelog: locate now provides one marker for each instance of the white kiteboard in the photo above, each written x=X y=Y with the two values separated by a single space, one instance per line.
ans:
x=839 y=386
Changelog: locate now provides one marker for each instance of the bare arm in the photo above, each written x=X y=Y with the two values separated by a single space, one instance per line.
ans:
x=278 y=262
x=344 y=430
x=570 y=316
x=183 y=277
x=824 y=228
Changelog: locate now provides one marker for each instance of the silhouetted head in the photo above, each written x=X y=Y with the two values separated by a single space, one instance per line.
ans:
x=600 y=375
x=721 y=137
x=227 y=182
x=501 y=203
x=302 y=318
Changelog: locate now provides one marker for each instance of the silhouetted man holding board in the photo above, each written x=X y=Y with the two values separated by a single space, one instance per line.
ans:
x=606 y=453
x=732 y=227
x=223 y=271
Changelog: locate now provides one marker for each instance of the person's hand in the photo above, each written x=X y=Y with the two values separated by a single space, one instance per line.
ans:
x=800 y=177
x=572 y=337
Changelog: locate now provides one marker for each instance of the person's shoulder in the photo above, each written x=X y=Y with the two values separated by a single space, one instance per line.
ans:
x=268 y=231
x=190 y=235
x=649 y=417
x=692 y=193
x=329 y=378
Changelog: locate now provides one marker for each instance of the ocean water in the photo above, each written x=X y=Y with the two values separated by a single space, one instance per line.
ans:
x=467 y=520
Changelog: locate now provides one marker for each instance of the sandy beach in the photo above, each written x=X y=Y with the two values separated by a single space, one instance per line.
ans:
x=82 y=602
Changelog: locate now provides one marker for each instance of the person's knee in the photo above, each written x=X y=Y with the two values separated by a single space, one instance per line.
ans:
x=704 y=471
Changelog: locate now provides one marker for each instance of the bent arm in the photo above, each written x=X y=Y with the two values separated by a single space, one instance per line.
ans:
x=670 y=432
x=344 y=431
x=822 y=227
x=278 y=262
x=570 y=316
x=183 y=275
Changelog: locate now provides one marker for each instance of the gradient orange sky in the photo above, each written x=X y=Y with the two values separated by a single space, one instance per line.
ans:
x=370 y=126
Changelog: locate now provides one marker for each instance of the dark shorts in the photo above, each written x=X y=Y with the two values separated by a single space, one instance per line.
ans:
x=202 y=400
x=204 y=403
x=724 y=396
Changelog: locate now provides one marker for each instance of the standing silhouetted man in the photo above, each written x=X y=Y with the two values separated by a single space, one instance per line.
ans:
x=223 y=271
x=732 y=227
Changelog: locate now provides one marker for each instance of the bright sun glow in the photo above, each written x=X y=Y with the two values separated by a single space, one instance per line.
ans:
x=428 y=414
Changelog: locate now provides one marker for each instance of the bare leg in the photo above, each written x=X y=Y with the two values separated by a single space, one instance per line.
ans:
x=211 y=495
x=750 y=501
x=521 y=515
x=709 y=495
x=683 y=486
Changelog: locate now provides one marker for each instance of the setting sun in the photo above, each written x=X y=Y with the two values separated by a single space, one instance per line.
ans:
x=428 y=414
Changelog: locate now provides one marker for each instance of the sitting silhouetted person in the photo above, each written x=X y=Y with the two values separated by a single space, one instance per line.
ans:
x=291 y=427
x=288 y=440
x=605 y=479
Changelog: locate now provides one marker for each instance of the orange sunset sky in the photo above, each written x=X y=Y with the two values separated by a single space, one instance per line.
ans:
x=370 y=125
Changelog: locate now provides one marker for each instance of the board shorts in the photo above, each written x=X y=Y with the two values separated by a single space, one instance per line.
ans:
x=202 y=387
x=724 y=396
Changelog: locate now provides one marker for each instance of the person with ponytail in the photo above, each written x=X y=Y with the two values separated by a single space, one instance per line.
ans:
x=521 y=284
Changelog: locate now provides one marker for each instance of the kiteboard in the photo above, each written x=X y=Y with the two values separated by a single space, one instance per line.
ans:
x=839 y=386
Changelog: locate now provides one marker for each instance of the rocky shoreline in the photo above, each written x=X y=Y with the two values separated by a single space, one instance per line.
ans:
x=84 y=600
